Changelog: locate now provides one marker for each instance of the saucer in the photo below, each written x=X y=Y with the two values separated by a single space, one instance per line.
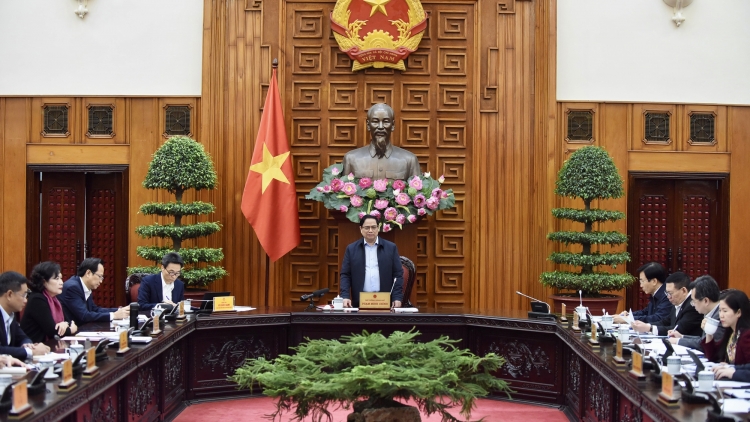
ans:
x=50 y=375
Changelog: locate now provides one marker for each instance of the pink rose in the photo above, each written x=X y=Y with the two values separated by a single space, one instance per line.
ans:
x=399 y=184
x=327 y=188
x=441 y=179
x=381 y=203
x=390 y=214
x=386 y=228
x=376 y=214
x=416 y=183
x=444 y=195
x=421 y=211
x=356 y=200
x=401 y=219
x=343 y=208
x=319 y=188
x=336 y=185
x=433 y=203
x=437 y=192
x=411 y=218
x=350 y=188
x=335 y=171
x=381 y=185
x=365 y=182
x=403 y=198
x=350 y=176
x=419 y=200
x=360 y=215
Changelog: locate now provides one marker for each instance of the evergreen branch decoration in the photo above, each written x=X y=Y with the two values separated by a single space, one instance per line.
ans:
x=176 y=208
x=588 y=174
x=177 y=166
x=594 y=238
x=323 y=373
x=189 y=255
x=178 y=232
x=587 y=216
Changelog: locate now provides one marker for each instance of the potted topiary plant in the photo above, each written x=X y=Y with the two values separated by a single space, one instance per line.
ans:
x=322 y=373
x=179 y=165
x=588 y=174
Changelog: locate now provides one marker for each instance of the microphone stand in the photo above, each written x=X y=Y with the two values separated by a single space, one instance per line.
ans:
x=311 y=306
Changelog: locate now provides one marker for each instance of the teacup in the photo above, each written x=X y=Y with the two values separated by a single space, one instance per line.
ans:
x=711 y=326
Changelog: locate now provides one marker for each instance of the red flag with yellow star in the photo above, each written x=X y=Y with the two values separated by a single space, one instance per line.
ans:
x=269 y=201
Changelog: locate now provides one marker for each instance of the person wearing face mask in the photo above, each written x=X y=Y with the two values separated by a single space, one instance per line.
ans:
x=43 y=317
x=734 y=314
x=76 y=298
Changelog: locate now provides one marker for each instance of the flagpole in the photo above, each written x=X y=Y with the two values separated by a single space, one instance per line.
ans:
x=268 y=270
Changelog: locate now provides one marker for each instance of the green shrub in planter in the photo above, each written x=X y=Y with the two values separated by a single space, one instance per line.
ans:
x=179 y=165
x=588 y=174
x=323 y=373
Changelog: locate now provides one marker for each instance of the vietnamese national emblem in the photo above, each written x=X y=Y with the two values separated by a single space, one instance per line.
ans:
x=378 y=33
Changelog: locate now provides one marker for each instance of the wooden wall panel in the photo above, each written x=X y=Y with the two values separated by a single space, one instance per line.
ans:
x=14 y=120
x=739 y=198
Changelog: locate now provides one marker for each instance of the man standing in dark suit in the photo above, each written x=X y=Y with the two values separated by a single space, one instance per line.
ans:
x=13 y=341
x=683 y=317
x=164 y=287
x=76 y=299
x=371 y=265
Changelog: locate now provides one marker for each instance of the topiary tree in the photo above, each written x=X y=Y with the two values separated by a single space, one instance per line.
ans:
x=436 y=375
x=179 y=165
x=588 y=174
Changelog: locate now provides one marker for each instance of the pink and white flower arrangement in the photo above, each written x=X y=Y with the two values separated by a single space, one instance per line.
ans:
x=349 y=188
x=381 y=185
x=365 y=182
x=394 y=203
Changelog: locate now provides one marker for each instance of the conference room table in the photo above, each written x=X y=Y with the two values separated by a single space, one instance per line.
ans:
x=547 y=363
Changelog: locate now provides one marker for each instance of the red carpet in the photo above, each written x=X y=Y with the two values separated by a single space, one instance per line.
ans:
x=254 y=409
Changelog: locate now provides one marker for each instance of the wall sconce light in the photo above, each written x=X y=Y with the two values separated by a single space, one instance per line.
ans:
x=677 y=6
x=82 y=8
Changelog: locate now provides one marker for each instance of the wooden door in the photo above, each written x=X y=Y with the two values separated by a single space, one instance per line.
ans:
x=680 y=223
x=433 y=101
x=76 y=215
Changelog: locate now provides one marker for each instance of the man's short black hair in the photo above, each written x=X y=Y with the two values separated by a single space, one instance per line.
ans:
x=172 y=258
x=367 y=217
x=705 y=286
x=679 y=279
x=89 y=264
x=11 y=280
x=653 y=270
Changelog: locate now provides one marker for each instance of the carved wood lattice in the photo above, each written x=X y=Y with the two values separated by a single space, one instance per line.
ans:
x=696 y=230
x=62 y=229
x=433 y=101
x=652 y=215
x=101 y=226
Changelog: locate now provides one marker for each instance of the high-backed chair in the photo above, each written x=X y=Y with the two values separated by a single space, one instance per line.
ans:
x=410 y=274
x=132 y=284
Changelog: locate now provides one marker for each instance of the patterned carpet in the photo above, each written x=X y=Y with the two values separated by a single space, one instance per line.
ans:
x=254 y=409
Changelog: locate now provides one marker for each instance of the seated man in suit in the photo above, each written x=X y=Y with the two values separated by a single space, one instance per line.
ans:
x=164 y=287
x=371 y=265
x=13 y=341
x=651 y=277
x=76 y=299
x=683 y=317
x=706 y=302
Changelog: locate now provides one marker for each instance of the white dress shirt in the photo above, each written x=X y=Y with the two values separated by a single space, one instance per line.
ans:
x=7 y=319
x=372 y=271
x=166 y=289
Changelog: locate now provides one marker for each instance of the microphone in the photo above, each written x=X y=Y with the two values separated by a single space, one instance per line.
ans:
x=134 y=309
x=317 y=293
x=539 y=309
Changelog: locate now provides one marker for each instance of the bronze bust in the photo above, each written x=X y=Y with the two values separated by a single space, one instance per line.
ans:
x=381 y=160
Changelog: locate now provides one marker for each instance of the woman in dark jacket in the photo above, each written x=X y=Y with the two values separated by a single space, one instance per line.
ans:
x=43 y=317
x=734 y=347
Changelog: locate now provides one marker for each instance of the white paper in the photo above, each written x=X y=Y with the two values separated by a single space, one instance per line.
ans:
x=630 y=318
x=731 y=384
x=735 y=406
x=55 y=356
x=738 y=393
x=405 y=310
x=13 y=370
x=243 y=308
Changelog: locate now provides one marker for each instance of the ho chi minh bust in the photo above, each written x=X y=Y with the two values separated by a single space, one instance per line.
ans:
x=381 y=160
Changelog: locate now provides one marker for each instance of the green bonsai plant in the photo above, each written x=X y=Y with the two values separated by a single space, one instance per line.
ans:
x=588 y=174
x=179 y=165
x=436 y=375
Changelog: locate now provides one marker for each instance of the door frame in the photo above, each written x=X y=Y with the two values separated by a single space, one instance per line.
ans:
x=722 y=277
x=33 y=254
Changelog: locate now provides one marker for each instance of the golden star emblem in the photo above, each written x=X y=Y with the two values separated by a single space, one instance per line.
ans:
x=270 y=167
x=377 y=5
